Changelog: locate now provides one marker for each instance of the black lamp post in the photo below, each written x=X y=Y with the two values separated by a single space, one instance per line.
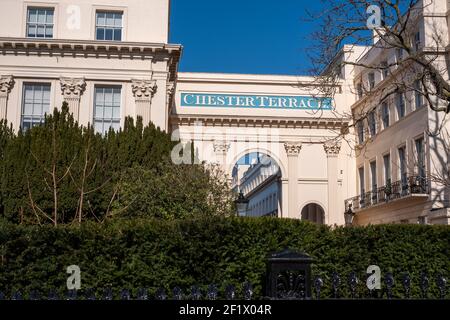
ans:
x=241 y=205
x=349 y=215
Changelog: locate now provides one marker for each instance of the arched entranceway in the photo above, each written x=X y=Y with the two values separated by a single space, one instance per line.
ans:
x=314 y=213
x=258 y=177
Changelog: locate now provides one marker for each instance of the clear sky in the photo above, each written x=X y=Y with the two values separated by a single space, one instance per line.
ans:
x=243 y=36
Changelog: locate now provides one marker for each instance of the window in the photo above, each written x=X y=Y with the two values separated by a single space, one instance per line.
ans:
x=359 y=90
x=400 y=103
x=418 y=97
x=314 y=213
x=40 y=22
x=417 y=41
x=362 y=190
x=385 y=114
x=371 y=78
x=373 y=175
x=385 y=69
x=35 y=104
x=420 y=157
x=402 y=165
x=107 y=109
x=372 y=123
x=109 y=26
x=360 y=128
x=387 y=169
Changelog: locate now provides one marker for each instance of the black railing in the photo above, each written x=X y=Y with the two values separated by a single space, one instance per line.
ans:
x=396 y=190
x=331 y=286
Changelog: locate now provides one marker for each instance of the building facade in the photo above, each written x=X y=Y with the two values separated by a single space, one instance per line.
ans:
x=109 y=59
x=402 y=145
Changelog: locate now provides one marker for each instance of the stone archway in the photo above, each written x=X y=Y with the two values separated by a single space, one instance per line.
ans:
x=258 y=177
x=314 y=213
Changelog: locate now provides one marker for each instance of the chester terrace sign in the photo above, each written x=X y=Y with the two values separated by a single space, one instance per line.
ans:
x=255 y=101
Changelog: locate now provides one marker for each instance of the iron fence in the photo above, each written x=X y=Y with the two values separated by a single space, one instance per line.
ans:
x=290 y=286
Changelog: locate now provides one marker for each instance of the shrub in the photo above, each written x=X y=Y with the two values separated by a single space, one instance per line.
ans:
x=61 y=172
x=161 y=253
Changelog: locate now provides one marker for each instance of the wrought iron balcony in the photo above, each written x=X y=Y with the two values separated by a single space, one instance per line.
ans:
x=413 y=185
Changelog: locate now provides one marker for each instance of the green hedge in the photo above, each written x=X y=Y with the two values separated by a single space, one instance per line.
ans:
x=133 y=254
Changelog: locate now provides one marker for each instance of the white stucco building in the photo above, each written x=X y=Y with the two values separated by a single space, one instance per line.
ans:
x=111 y=58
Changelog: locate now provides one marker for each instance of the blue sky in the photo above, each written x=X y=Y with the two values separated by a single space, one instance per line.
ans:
x=243 y=36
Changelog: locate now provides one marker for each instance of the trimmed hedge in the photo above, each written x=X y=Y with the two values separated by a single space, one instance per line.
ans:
x=154 y=253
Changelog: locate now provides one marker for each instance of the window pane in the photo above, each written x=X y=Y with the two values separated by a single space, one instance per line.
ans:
x=49 y=16
x=40 y=32
x=31 y=31
x=116 y=113
x=108 y=113
x=41 y=16
x=49 y=32
x=28 y=109
x=117 y=34
x=108 y=34
x=32 y=15
x=100 y=34
x=108 y=97
x=98 y=126
x=118 y=20
x=100 y=18
x=109 y=19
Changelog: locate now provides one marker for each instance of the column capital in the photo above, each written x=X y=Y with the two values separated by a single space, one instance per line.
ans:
x=293 y=148
x=221 y=147
x=143 y=89
x=170 y=88
x=332 y=148
x=72 y=87
x=6 y=84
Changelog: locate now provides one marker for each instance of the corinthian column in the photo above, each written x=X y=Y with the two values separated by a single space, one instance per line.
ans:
x=293 y=151
x=6 y=84
x=143 y=91
x=332 y=150
x=72 y=89
x=221 y=149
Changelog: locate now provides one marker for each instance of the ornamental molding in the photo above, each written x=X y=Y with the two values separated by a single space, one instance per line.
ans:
x=170 y=89
x=144 y=89
x=6 y=85
x=293 y=148
x=72 y=88
x=332 y=148
x=221 y=147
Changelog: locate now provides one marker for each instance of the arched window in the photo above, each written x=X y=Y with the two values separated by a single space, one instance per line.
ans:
x=314 y=213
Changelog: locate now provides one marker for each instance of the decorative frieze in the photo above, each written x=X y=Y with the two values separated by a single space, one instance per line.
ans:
x=6 y=85
x=293 y=148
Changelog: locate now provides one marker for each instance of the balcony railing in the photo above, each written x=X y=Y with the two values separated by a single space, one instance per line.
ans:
x=396 y=190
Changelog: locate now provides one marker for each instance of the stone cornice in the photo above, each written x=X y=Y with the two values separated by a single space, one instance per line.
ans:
x=94 y=49
x=88 y=46
x=255 y=121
